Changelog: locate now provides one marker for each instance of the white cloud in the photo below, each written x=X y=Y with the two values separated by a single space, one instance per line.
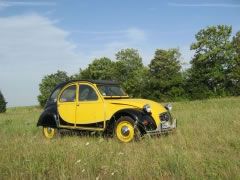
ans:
x=129 y=38
x=223 y=5
x=135 y=34
x=115 y=32
x=5 y=4
x=32 y=46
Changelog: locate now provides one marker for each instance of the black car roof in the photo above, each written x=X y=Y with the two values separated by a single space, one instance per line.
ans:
x=98 y=82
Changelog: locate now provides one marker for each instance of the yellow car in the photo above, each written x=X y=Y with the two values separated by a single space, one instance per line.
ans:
x=103 y=106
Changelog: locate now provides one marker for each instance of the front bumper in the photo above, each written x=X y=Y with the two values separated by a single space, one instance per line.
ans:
x=164 y=128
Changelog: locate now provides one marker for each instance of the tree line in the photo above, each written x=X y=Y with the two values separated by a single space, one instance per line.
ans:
x=214 y=70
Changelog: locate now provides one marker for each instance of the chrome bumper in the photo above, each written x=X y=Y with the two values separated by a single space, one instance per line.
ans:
x=164 y=128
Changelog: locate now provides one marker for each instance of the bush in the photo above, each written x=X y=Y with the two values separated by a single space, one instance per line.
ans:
x=2 y=103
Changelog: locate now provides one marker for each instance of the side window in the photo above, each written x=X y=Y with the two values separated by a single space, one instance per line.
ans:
x=54 y=95
x=69 y=94
x=87 y=93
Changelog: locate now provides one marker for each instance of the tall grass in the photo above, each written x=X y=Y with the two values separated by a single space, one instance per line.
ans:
x=205 y=145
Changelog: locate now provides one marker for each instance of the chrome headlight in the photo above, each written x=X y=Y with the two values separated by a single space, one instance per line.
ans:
x=147 y=108
x=168 y=107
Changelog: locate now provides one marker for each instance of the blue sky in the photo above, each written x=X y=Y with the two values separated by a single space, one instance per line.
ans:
x=40 y=37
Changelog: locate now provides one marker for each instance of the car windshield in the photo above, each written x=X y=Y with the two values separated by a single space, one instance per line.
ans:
x=111 y=90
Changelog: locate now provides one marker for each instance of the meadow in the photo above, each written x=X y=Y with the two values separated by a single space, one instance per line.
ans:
x=206 y=145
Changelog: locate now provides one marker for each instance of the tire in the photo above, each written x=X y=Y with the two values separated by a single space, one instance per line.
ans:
x=49 y=132
x=125 y=131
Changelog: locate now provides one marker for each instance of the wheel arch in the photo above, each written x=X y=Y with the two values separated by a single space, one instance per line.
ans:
x=134 y=114
x=48 y=119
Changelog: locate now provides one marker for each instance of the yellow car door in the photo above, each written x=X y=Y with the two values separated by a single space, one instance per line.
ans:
x=90 y=106
x=67 y=103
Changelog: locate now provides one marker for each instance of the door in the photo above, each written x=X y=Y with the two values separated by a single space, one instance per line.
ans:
x=90 y=106
x=67 y=105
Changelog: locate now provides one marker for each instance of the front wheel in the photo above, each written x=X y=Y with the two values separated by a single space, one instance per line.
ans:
x=49 y=132
x=125 y=131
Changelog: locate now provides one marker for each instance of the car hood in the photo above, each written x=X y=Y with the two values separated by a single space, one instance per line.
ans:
x=139 y=103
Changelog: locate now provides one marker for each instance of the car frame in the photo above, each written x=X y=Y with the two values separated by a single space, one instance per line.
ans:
x=100 y=105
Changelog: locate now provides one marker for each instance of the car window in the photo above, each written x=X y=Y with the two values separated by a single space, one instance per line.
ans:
x=69 y=94
x=111 y=90
x=54 y=95
x=87 y=93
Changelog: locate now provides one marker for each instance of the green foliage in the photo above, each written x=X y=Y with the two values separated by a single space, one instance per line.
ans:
x=210 y=64
x=2 y=103
x=129 y=71
x=99 y=69
x=165 y=78
x=48 y=84
x=214 y=71
x=234 y=74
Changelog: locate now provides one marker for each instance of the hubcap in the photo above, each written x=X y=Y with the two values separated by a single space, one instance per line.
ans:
x=125 y=131
x=48 y=132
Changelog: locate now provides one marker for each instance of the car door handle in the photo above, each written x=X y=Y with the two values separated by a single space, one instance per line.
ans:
x=77 y=104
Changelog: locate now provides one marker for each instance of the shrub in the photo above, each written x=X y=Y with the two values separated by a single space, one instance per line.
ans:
x=2 y=103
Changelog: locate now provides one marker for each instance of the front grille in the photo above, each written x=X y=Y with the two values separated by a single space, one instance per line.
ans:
x=165 y=117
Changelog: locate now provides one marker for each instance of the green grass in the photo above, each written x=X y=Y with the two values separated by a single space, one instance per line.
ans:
x=205 y=145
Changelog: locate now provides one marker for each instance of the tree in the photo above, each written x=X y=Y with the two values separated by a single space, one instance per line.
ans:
x=2 y=103
x=129 y=71
x=165 y=79
x=102 y=68
x=210 y=64
x=234 y=75
x=48 y=83
x=234 y=67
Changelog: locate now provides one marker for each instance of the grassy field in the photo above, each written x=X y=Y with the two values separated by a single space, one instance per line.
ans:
x=206 y=145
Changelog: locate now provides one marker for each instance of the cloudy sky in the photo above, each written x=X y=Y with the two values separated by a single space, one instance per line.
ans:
x=40 y=37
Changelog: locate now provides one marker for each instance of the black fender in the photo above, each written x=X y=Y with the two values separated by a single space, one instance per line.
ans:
x=139 y=117
x=48 y=119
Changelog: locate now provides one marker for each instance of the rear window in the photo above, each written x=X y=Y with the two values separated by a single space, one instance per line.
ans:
x=53 y=97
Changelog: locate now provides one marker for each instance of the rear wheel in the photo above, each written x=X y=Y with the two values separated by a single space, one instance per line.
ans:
x=49 y=132
x=125 y=131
